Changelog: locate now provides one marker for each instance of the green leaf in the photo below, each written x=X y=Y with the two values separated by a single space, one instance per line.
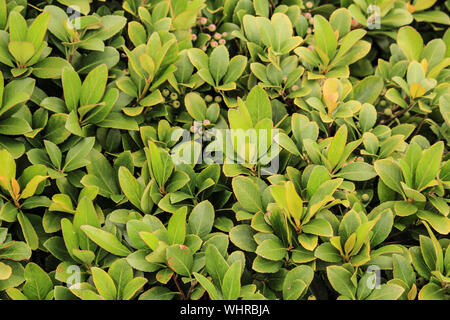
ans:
x=296 y=282
x=403 y=270
x=386 y=292
x=7 y=169
x=258 y=105
x=195 y=106
x=410 y=42
x=201 y=219
x=390 y=173
x=37 y=29
x=72 y=88
x=176 y=230
x=77 y=157
x=106 y=240
x=340 y=280
x=247 y=193
x=327 y=252
x=432 y=291
x=104 y=284
x=218 y=63
x=357 y=171
x=242 y=237
x=131 y=187
x=22 y=51
x=28 y=230
x=337 y=146
x=14 y=126
x=320 y=227
x=180 y=259
x=50 y=68
x=85 y=215
x=208 y=286
x=428 y=166
x=324 y=36
x=93 y=87
x=231 y=286
x=271 y=249
x=38 y=284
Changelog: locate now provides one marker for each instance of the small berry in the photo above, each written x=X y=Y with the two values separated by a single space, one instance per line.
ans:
x=365 y=197
x=208 y=98
x=218 y=99
x=388 y=112
x=311 y=48
x=354 y=23
x=212 y=27
x=166 y=92
x=173 y=96
x=311 y=21
x=284 y=79
x=383 y=103
x=295 y=87
x=176 y=104
x=224 y=34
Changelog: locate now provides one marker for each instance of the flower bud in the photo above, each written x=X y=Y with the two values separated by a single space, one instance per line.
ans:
x=308 y=15
x=204 y=48
x=309 y=4
x=217 y=36
x=214 y=44
x=193 y=37
x=206 y=122
x=222 y=41
x=203 y=20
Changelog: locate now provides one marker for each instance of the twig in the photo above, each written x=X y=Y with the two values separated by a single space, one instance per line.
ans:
x=175 y=279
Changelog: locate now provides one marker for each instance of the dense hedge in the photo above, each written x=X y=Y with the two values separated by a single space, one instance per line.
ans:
x=335 y=185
